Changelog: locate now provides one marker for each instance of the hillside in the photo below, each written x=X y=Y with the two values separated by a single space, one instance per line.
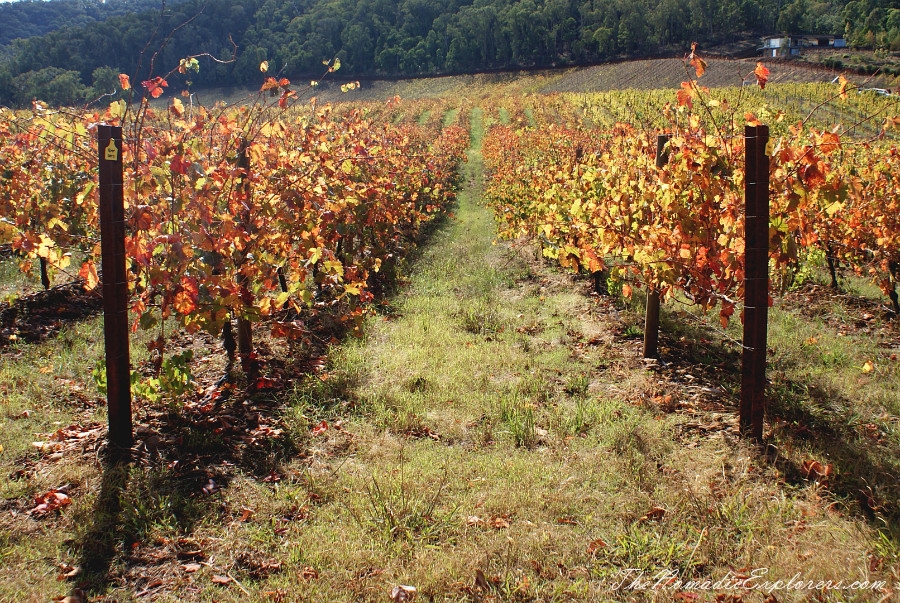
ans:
x=373 y=38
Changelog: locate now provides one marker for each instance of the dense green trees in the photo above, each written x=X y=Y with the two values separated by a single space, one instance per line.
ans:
x=399 y=37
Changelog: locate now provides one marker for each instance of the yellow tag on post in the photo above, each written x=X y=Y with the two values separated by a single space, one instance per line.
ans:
x=111 y=153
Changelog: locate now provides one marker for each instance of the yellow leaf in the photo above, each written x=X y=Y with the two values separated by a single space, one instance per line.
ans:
x=264 y=66
x=868 y=367
x=117 y=108
x=177 y=107
x=834 y=208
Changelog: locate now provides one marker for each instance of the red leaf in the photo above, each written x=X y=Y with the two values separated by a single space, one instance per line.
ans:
x=155 y=86
x=178 y=165
x=265 y=383
x=49 y=502
x=320 y=428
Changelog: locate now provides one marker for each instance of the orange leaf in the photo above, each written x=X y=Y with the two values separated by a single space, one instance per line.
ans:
x=815 y=470
x=89 y=273
x=762 y=75
x=124 y=81
x=696 y=62
x=155 y=86
x=626 y=290
x=685 y=95
x=843 y=81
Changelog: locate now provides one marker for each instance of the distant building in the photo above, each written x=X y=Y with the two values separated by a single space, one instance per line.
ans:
x=788 y=46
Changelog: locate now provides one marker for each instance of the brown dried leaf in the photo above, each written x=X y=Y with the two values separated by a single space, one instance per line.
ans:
x=595 y=546
x=654 y=514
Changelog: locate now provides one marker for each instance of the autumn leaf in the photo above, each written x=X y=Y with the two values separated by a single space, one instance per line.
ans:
x=843 y=90
x=654 y=514
x=264 y=66
x=626 y=291
x=696 y=62
x=177 y=107
x=178 y=165
x=685 y=96
x=286 y=96
x=88 y=272
x=816 y=471
x=124 y=81
x=762 y=75
x=403 y=594
x=320 y=428
x=868 y=367
x=595 y=546
x=49 y=502
x=155 y=86
x=221 y=580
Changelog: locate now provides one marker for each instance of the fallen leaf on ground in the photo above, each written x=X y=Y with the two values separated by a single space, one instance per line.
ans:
x=49 y=502
x=309 y=573
x=816 y=471
x=68 y=571
x=402 y=593
x=595 y=546
x=654 y=514
x=222 y=580
x=191 y=567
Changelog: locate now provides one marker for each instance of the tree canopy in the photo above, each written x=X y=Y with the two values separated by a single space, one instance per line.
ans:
x=388 y=37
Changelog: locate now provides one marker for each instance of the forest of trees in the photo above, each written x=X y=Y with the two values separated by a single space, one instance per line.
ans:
x=88 y=45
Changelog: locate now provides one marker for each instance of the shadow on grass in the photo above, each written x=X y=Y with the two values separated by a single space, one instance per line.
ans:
x=185 y=456
x=98 y=546
x=808 y=417
x=866 y=471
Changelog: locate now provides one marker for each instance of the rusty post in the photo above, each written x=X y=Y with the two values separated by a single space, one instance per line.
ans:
x=756 y=282
x=115 y=286
x=244 y=326
x=651 y=315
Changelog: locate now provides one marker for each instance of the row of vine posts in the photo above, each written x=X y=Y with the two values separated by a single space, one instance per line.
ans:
x=756 y=284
